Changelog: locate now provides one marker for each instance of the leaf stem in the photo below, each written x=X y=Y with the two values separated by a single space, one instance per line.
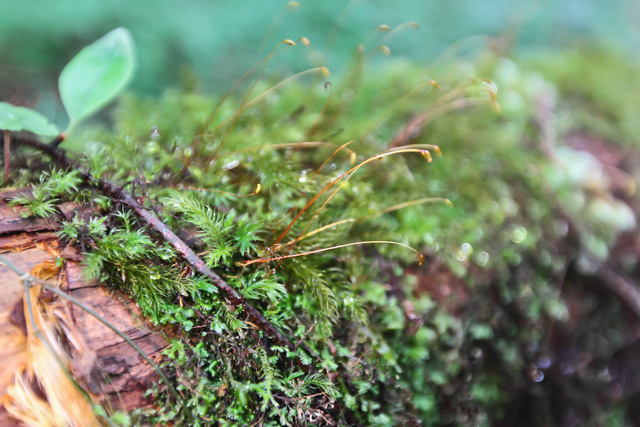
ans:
x=7 y=155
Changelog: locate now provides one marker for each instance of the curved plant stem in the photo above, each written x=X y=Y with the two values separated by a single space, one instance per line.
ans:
x=237 y=114
x=317 y=251
x=343 y=146
x=348 y=175
x=382 y=212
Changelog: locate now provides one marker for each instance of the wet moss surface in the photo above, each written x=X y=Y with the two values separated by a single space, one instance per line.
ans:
x=526 y=222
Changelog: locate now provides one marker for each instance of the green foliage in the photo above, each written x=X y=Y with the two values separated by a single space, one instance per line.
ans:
x=213 y=230
x=44 y=196
x=90 y=80
x=97 y=74
x=77 y=228
x=15 y=119
x=126 y=257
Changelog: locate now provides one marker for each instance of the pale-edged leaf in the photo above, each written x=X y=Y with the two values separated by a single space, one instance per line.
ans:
x=14 y=118
x=97 y=74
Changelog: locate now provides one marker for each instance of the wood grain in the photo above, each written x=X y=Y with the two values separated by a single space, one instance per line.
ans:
x=118 y=375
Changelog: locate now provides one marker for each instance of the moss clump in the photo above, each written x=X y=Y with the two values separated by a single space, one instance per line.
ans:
x=462 y=340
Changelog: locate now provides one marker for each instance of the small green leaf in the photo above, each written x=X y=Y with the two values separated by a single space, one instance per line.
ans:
x=97 y=74
x=14 y=119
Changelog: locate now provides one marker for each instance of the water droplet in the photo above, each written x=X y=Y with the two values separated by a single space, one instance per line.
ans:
x=482 y=259
x=230 y=165
x=538 y=376
x=508 y=206
x=567 y=369
x=515 y=260
x=476 y=353
x=544 y=362
x=467 y=248
x=491 y=86
x=152 y=147
x=461 y=256
x=560 y=228
x=518 y=235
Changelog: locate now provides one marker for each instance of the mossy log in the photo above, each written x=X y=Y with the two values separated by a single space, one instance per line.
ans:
x=116 y=374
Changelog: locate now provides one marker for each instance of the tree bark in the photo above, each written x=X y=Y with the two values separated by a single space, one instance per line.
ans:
x=117 y=375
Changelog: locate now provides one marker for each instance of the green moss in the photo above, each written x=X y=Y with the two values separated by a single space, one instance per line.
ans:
x=362 y=312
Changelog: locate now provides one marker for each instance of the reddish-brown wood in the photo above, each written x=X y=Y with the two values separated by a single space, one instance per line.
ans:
x=115 y=372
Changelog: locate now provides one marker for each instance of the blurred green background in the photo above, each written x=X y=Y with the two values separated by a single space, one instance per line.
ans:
x=219 y=40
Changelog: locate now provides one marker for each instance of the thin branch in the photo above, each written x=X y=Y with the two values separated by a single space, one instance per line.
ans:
x=57 y=140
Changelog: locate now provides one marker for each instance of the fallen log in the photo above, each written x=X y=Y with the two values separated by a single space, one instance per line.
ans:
x=114 y=374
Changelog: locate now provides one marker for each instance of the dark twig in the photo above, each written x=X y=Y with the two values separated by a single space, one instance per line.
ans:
x=118 y=194
x=57 y=140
